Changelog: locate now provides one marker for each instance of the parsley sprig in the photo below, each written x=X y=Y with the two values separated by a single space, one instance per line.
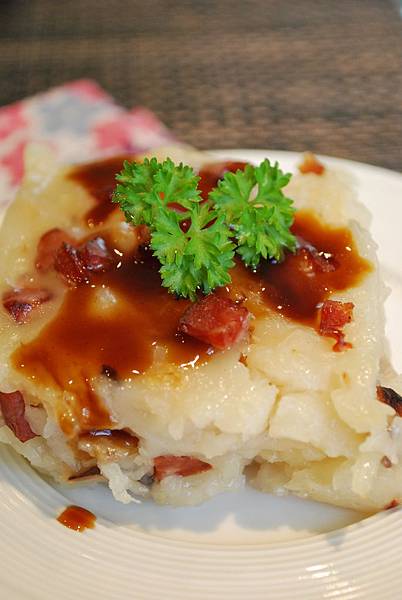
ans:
x=193 y=244
x=257 y=211
x=195 y=241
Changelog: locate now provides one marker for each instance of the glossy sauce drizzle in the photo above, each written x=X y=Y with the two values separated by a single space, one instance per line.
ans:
x=117 y=320
x=115 y=324
x=327 y=261
x=99 y=178
x=77 y=518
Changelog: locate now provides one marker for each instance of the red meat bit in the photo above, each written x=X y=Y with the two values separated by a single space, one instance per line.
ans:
x=211 y=174
x=75 y=264
x=178 y=465
x=315 y=261
x=19 y=303
x=386 y=463
x=311 y=164
x=176 y=207
x=70 y=266
x=48 y=245
x=95 y=255
x=390 y=397
x=334 y=316
x=13 y=408
x=393 y=504
x=216 y=321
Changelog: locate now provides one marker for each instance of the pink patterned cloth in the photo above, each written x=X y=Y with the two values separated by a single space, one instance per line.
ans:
x=80 y=121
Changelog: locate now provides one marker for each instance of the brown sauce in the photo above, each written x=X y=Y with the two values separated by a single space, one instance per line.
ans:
x=212 y=173
x=99 y=178
x=297 y=286
x=85 y=336
x=117 y=437
x=119 y=339
x=77 y=518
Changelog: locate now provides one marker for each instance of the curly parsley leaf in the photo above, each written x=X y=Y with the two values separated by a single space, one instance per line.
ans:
x=257 y=211
x=136 y=192
x=190 y=240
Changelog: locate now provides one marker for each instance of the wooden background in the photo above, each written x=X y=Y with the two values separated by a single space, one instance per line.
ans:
x=286 y=74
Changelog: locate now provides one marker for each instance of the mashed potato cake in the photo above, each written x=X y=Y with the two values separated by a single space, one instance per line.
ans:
x=96 y=382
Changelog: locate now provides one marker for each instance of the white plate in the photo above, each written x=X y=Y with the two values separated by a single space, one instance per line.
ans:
x=242 y=546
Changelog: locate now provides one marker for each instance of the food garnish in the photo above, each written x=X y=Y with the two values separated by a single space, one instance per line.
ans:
x=257 y=211
x=188 y=237
x=195 y=241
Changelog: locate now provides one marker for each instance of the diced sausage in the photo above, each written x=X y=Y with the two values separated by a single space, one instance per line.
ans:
x=20 y=302
x=48 y=246
x=70 y=266
x=334 y=316
x=390 y=397
x=95 y=255
x=311 y=164
x=75 y=264
x=178 y=465
x=314 y=261
x=13 y=408
x=217 y=321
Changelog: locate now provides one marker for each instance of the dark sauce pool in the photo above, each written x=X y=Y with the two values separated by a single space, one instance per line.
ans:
x=99 y=178
x=119 y=338
x=112 y=325
x=327 y=261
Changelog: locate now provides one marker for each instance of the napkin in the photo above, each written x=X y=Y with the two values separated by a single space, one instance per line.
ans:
x=80 y=121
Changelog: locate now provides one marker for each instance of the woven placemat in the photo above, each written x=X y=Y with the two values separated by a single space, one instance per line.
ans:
x=319 y=74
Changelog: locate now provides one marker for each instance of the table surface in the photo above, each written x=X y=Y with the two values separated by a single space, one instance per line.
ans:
x=324 y=75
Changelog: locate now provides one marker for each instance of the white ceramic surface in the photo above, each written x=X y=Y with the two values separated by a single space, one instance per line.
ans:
x=241 y=546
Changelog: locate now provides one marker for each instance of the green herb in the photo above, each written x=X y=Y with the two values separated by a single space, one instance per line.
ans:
x=257 y=211
x=192 y=239
x=193 y=246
